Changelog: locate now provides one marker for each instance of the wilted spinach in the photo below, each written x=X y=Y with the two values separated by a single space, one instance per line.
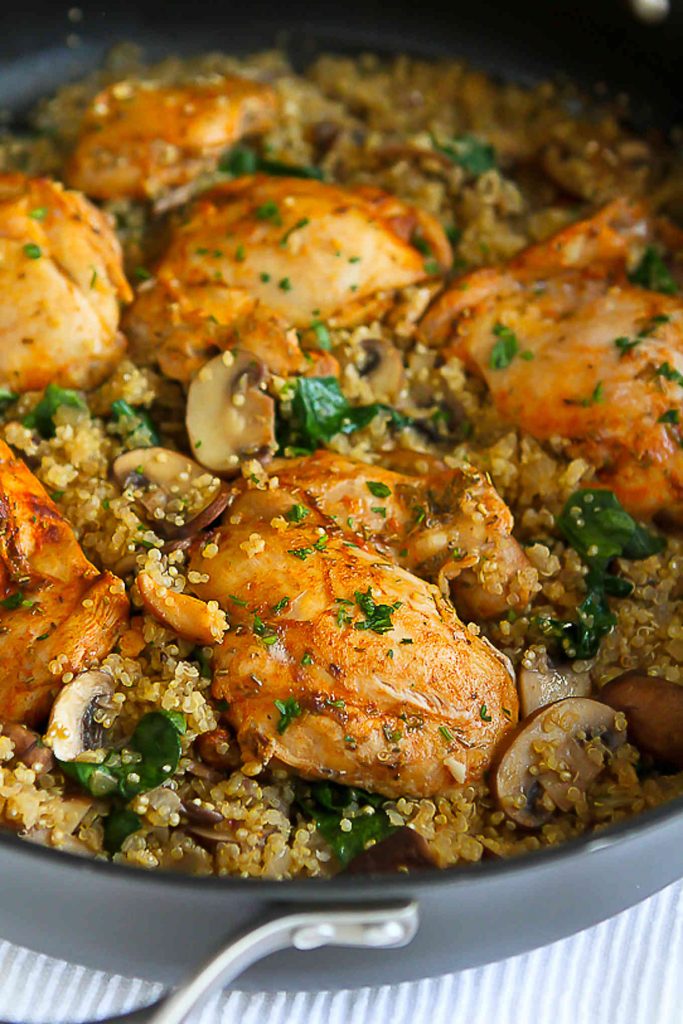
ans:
x=329 y=804
x=242 y=160
x=155 y=741
x=135 y=425
x=599 y=529
x=41 y=418
x=319 y=410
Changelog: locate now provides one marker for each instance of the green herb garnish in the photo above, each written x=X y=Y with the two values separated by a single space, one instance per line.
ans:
x=289 y=710
x=242 y=160
x=505 y=349
x=653 y=273
x=41 y=417
x=136 y=425
x=469 y=152
x=378 y=489
x=377 y=616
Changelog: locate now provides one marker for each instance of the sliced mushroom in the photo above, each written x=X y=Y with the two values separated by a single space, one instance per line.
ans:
x=549 y=761
x=404 y=850
x=546 y=683
x=229 y=416
x=382 y=366
x=185 y=615
x=654 y=714
x=28 y=747
x=176 y=494
x=197 y=814
x=74 y=725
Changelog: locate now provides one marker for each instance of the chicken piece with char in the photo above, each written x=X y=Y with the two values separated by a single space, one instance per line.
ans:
x=61 y=282
x=447 y=525
x=571 y=344
x=141 y=137
x=261 y=255
x=341 y=664
x=58 y=613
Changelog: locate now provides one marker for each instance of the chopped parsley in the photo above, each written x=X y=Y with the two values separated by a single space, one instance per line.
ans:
x=237 y=600
x=670 y=416
x=269 y=211
x=307 y=658
x=289 y=710
x=17 y=600
x=280 y=606
x=669 y=373
x=446 y=733
x=32 y=251
x=378 y=489
x=242 y=160
x=142 y=273
x=322 y=335
x=484 y=714
x=505 y=349
x=39 y=213
x=626 y=344
x=268 y=635
x=653 y=273
x=295 y=227
x=240 y=253
x=296 y=514
x=301 y=553
x=379 y=510
x=468 y=152
x=284 y=284
x=377 y=616
x=264 y=277
x=432 y=267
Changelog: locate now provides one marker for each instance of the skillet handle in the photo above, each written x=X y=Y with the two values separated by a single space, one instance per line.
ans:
x=378 y=926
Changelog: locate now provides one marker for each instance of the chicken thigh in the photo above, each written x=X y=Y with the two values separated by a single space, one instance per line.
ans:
x=61 y=283
x=139 y=138
x=278 y=253
x=340 y=663
x=449 y=526
x=58 y=614
x=581 y=337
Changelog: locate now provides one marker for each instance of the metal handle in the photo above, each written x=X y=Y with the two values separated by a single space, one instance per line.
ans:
x=379 y=926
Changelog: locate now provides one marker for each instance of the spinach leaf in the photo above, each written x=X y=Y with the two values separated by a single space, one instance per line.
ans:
x=118 y=825
x=135 y=425
x=328 y=804
x=155 y=741
x=242 y=160
x=469 y=152
x=41 y=418
x=320 y=410
x=597 y=526
x=653 y=273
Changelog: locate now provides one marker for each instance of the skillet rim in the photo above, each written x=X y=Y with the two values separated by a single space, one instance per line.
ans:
x=295 y=888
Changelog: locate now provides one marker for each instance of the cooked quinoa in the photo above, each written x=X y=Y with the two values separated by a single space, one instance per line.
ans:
x=361 y=120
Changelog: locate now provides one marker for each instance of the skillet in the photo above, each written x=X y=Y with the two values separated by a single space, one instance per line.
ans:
x=158 y=925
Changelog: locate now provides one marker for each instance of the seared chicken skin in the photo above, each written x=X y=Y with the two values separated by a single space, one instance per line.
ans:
x=341 y=664
x=58 y=614
x=449 y=526
x=61 y=283
x=570 y=347
x=139 y=138
x=261 y=255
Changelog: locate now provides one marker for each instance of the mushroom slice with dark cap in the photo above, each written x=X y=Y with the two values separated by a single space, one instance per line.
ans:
x=404 y=850
x=178 y=496
x=550 y=760
x=229 y=416
x=74 y=725
x=545 y=683
x=654 y=712
x=382 y=366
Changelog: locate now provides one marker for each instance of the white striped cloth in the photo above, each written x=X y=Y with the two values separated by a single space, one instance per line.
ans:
x=629 y=969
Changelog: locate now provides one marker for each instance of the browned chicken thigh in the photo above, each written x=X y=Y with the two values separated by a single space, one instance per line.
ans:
x=58 y=614
x=261 y=255
x=140 y=137
x=446 y=525
x=340 y=663
x=61 y=283
x=575 y=341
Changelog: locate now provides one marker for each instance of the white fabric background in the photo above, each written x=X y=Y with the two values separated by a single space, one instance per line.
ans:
x=628 y=969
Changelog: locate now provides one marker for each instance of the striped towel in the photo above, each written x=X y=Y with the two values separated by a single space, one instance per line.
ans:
x=629 y=969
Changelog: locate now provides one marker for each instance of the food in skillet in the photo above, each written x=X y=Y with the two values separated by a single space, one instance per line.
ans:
x=362 y=571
